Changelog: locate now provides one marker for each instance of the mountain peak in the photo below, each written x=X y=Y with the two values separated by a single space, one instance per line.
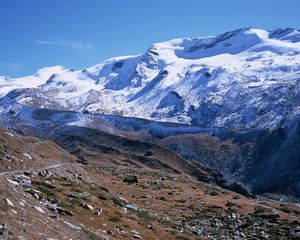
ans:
x=221 y=80
x=46 y=72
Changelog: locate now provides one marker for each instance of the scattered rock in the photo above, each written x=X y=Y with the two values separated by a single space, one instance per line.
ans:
x=273 y=216
x=39 y=209
x=231 y=204
x=70 y=225
x=4 y=233
x=13 y=182
x=63 y=211
x=23 y=181
x=131 y=179
x=87 y=206
x=9 y=203
x=162 y=198
x=137 y=236
x=163 y=178
x=123 y=200
x=133 y=207
x=120 y=230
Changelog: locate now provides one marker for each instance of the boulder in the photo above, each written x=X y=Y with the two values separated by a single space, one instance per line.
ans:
x=131 y=179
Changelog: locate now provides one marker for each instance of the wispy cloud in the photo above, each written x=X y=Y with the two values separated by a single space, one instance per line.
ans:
x=76 y=45
x=11 y=66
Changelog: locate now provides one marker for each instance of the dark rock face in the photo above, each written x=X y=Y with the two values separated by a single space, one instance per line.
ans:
x=131 y=179
x=251 y=161
x=171 y=100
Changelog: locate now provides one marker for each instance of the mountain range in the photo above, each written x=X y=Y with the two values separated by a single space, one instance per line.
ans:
x=229 y=102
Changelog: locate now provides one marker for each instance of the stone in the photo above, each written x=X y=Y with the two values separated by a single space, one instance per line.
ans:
x=4 y=233
x=137 y=236
x=9 y=203
x=162 y=198
x=13 y=182
x=63 y=211
x=123 y=200
x=231 y=204
x=133 y=207
x=39 y=209
x=131 y=179
x=70 y=225
x=87 y=206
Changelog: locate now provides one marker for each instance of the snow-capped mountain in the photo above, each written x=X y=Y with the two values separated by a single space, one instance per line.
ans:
x=247 y=77
x=239 y=90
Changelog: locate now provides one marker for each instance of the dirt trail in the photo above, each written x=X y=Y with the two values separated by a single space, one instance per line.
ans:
x=29 y=169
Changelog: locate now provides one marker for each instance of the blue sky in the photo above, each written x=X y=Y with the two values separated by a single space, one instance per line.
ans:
x=81 y=33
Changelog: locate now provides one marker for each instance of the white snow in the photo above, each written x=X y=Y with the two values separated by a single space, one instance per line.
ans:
x=247 y=76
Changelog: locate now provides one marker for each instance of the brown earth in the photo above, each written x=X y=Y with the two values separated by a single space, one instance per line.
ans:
x=93 y=202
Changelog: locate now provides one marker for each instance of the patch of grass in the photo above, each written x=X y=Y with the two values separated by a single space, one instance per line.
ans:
x=47 y=191
x=100 y=193
x=77 y=188
x=68 y=184
x=146 y=216
x=71 y=203
x=289 y=210
x=125 y=225
x=117 y=201
x=286 y=210
x=92 y=235
x=164 y=222
x=114 y=218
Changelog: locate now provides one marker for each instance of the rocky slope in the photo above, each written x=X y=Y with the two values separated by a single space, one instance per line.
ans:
x=244 y=160
x=113 y=201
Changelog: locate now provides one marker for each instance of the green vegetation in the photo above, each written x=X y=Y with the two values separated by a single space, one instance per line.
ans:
x=115 y=218
x=92 y=236
x=100 y=193
x=117 y=201
x=47 y=191
x=146 y=216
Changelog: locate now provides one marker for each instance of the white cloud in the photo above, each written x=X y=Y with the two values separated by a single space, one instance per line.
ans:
x=77 y=45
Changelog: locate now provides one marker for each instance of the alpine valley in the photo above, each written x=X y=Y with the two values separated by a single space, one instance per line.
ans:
x=217 y=116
